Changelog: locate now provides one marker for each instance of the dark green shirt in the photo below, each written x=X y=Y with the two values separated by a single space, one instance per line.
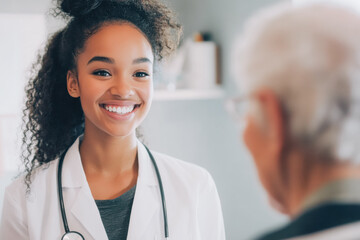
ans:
x=115 y=214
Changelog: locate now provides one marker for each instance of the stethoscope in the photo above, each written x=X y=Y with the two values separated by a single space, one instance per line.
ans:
x=73 y=235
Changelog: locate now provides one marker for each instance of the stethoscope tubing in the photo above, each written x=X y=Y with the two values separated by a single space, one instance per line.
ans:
x=62 y=205
x=60 y=193
x=163 y=201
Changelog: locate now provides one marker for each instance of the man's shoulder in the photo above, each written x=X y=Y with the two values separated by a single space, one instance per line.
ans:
x=316 y=220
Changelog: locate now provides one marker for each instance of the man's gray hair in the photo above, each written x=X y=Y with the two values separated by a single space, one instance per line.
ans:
x=310 y=57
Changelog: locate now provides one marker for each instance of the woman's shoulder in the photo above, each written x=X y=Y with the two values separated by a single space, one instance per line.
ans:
x=181 y=168
x=41 y=175
x=176 y=163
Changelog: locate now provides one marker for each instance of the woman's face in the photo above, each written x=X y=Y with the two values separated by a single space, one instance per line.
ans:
x=114 y=79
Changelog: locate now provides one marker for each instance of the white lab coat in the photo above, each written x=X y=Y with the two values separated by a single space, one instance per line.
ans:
x=193 y=205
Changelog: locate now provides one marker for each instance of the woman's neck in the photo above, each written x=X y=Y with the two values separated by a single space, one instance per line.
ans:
x=110 y=163
x=106 y=154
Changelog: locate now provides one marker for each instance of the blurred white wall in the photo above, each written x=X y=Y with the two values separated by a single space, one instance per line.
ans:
x=25 y=33
x=24 y=28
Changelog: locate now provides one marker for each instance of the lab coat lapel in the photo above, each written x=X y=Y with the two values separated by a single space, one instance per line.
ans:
x=86 y=211
x=79 y=202
x=144 y=219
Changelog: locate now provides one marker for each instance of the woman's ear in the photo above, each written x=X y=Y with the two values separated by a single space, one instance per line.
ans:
x=72 y=84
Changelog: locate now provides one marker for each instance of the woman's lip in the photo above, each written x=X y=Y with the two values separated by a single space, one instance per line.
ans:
x=118 y=116
x=104 y=106
x=120 y=103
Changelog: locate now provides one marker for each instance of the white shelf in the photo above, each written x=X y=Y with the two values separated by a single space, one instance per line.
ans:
x=188 y=94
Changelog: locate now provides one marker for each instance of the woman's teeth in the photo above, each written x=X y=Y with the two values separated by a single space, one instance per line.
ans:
x=120 y=110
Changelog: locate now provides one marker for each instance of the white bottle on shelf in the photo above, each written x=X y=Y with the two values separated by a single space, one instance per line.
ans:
x=201 y=65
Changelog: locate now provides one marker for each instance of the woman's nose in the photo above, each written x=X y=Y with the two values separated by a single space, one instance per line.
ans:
x=122 y=87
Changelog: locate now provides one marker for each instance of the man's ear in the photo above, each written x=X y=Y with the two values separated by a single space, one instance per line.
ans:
x=274 y=123
x=272 y=132
x=72 y=84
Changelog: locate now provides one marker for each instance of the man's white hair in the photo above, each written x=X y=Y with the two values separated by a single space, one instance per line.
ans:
x=310 y=57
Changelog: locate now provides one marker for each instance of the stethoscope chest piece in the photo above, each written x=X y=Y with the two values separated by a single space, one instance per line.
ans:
x=72 y=236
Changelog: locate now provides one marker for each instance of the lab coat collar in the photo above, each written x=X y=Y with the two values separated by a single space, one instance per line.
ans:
x=83 y=208
x=147 y=174
x=147 y=201
x=74 y=176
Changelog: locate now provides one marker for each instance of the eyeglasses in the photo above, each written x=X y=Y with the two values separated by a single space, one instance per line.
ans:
x=237 y=107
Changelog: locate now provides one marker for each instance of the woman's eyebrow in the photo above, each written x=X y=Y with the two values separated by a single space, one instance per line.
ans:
x=101 y=59
x=141 y=60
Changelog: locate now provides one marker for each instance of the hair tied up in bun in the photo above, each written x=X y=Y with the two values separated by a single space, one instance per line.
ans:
x=78 y=8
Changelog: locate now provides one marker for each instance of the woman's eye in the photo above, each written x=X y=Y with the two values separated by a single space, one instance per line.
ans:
x=102 y=73
x=141 y=74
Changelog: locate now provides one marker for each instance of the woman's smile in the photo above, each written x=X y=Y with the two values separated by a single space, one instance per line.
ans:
x=121 y=110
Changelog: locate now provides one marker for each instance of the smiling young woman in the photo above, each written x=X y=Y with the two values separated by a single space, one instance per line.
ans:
x=113 y=80
x=86 y=171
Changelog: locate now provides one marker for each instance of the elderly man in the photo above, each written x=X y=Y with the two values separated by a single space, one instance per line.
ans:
x=299 y=73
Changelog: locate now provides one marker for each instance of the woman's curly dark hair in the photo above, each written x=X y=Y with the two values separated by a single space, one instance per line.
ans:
x=52 y=119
